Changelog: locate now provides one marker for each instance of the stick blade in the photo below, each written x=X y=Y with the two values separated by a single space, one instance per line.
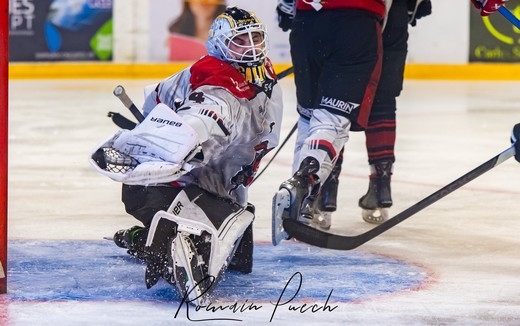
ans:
x=318 y=238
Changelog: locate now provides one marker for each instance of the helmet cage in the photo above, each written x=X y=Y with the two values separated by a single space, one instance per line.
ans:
x=227 y=27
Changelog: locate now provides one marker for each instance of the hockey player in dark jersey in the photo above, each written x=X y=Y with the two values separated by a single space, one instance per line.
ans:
x=380 y=134
x=380 y=130
x=187 y=167
x=336 y=51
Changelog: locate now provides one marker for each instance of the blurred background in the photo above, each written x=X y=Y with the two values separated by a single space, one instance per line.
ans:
x=142 y=37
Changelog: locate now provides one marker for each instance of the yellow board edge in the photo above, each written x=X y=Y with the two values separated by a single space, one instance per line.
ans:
x=61 y=70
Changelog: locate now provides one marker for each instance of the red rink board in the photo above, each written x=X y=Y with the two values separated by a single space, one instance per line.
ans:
x=3 y=142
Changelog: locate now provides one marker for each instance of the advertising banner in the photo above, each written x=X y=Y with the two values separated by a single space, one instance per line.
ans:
x=494 y=38
x=179 y=28
x=60 y=30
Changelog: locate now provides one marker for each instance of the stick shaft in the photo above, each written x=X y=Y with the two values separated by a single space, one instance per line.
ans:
x=285 y=72
x=277 y=151
x=120 y=93
x=323 y=239
x=439 y=194
x=509 y=16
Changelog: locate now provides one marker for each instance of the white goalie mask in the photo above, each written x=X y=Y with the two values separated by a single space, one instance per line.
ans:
x=247 y=51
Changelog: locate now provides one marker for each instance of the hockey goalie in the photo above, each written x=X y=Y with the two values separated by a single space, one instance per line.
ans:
x=186 y=168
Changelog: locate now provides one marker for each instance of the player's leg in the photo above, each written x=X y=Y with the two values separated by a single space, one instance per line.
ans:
x=343 y=80
x=381 y=130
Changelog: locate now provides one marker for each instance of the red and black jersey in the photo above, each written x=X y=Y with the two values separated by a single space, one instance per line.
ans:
x=375 y=6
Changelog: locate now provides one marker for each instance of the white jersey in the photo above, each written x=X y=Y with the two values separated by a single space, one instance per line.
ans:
x=237 y=123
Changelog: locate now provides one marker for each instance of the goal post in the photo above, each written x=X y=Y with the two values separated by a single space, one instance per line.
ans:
x=4 y=66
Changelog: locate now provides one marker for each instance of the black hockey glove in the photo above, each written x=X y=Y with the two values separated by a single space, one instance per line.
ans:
x=424 y=8
x=285 y=10
x=515 y=140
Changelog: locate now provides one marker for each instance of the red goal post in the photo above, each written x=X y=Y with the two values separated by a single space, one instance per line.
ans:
x=4 y=67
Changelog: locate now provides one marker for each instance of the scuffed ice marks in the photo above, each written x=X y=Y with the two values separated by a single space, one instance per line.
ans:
x=97 y=271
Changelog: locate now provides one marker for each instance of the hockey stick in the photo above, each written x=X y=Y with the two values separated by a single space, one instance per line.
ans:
x=322 y=239
x=277 y=151
x=120 y=93
x=509 y=16
x=285 y=73
x=121 y=121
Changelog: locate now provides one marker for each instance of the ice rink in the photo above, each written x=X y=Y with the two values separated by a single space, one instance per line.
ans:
x=456 y=262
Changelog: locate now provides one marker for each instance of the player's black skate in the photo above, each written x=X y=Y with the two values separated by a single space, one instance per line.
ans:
x=378 y=199
x=327 y=203
x=296 y=198
x=132 y=239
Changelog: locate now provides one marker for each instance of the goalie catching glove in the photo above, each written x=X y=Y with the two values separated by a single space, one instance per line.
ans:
x=156 y=151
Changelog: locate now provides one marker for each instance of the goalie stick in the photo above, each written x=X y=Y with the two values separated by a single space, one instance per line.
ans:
x=285 y=73
x=277 y=151
x=120 y=93
x=121 y=121
x=327 y=240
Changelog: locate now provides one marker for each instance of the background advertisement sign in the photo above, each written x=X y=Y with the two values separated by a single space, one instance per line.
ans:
x=179 y=28
x=494 y=38
x=60 y=30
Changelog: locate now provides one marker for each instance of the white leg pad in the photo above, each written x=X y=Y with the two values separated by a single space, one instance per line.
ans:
x=191 y=219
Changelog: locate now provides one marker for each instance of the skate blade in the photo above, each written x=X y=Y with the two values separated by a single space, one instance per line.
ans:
x=281 y=201
x=322 y=221
x=375 y=216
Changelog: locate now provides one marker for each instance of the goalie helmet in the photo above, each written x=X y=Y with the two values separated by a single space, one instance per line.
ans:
x=246 y=54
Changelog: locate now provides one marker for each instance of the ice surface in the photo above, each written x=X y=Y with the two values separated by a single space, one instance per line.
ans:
x=454 y=263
